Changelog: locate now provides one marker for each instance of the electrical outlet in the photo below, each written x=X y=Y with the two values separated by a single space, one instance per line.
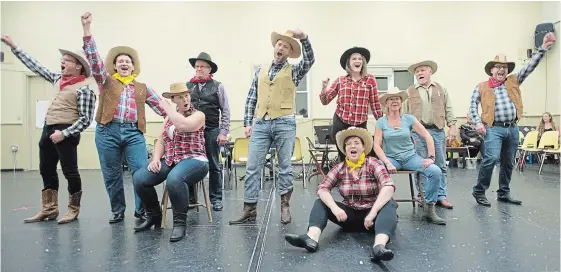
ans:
x=14 y=148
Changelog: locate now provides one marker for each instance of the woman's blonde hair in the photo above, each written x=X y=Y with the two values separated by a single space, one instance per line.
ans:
x=541 y=126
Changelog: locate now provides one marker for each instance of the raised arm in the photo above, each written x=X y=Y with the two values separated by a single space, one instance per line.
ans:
x=86 y=106
x=224 y=110
x=251 y=101
x=153 y=101
x=90 y=48
x=374 y=101
x=301 y=69
x=30 y=62
x=191 y=123
x=548 y=40
x=328 y=94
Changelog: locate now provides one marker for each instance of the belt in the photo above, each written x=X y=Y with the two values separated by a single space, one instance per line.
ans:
x=504 y=124
x=430 y=126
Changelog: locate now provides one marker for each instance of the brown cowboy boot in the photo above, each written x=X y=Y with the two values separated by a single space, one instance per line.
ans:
x=431 y=216
x=249 y=214
x=285 y=208
x=49 y=207
x=73 y=208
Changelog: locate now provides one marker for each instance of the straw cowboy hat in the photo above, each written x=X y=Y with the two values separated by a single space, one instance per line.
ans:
x=121 y=50
x=428 y=63
x=500 y=58
x=347 y=54
x=287 y=37
x=393 y=92
x=81 y=57
x=205 y=57
x=354 y=131
x=179 y=88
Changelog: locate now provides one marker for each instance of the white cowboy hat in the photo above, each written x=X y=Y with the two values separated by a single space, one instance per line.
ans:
x=354 y=131
x=287 y=37
x=393 y=92
x=81 y=57
x=428 y=63
x=121 y=50
x=179 y=88
x=500 y=58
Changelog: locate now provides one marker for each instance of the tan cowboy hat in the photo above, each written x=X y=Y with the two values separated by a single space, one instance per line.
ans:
x=393 y=92
x=287 y=37
x=354 y=131
x=121 y=50
x=81 y=57
x=179 y=88
x=500 y=58
x=428 y=63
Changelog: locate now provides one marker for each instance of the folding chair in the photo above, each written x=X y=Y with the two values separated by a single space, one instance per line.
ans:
x=549 y=144
x=529 y=146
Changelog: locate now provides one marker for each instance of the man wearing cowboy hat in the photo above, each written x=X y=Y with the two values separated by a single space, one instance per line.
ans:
x=209 y=96
x=70 y=113
x=121 y=117
x=430 y=103
x=501 y=109
x=271 y=99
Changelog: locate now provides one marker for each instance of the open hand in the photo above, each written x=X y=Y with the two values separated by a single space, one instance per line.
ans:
x=155 y=166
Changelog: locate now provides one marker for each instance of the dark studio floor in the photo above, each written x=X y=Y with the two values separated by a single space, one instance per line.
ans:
x=501 y=238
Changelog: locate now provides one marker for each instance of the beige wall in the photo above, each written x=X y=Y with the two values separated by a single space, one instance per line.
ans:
x=551 y=13
x=454 y=34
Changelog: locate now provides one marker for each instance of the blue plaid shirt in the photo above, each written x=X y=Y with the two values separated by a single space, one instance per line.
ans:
x=505 y=111
x=298 y=72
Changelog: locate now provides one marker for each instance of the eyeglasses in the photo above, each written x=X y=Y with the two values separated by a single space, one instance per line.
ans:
x=202 y=67
x=499 y=67
x=63 y=60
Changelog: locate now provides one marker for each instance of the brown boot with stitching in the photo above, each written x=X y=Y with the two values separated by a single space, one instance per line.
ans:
x=73 y=208
x=249 y=215
x=49 y=207
x=285 y=208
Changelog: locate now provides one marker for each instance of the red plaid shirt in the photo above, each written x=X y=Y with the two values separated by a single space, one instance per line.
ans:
x=183 y=145
x=358 y=193
x=353 y=98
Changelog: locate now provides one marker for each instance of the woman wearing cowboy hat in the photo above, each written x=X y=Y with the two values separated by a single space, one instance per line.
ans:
x=179 y=158
x=367 y=190
x=355 y=91
x=121 y=117
x=394 y=146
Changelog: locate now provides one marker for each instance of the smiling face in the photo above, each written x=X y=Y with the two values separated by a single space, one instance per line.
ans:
x=183 y=102
x=282 y=50
x=394 y=103
x=354 y=147
x=546 y=117
x=124 y=64
x=499 y=71
x=70 y=66
x=356 y=63
x=422 y=74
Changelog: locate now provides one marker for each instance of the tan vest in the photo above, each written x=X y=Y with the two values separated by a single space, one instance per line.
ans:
x=437 y=104
x=64 y=107
x=109 y=99
x=487 y=96
x=275 y=97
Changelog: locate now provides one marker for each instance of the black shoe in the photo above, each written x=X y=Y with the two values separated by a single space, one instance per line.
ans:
x=481 y=200
x=150 y=221
x=140 y=215
x=116 y=218
x=217 y=206
x=508 y=199
x=303 y=241
x=380 y=252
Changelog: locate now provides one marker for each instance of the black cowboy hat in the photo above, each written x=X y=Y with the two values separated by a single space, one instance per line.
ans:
x=205 y=57
x=347 y=54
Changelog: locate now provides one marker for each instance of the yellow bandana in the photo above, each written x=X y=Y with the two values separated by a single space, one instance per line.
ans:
x=125 y=80
x=357 y=164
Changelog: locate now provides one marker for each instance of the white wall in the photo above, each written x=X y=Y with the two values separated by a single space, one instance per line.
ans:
x=551 y=13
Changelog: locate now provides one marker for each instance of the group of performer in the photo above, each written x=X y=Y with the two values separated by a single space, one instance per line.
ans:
x=409 y=135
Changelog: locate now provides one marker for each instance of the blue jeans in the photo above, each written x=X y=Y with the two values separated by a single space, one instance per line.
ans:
x=421 y=148
x=499 y=145
x=279 y=133
x=179 y=177
x=112 y=140
x=431 y=175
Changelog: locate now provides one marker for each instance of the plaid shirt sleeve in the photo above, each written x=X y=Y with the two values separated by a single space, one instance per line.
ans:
x=329 y=94
x=35 y=66
x=86 y=106
x=330 y=180
x=374 y=100
x=474 y=106
x=301 y=69
x=153 y=101
x=529 y=68
x=381 y=174
x=251 y=101
x=95 y=60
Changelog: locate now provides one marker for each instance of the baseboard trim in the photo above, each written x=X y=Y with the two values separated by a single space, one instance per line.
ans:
x=11 y=170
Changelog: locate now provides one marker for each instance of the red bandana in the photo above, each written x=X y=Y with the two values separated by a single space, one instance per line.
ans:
x=493 y=83
x=70 y=80
x=201 y=80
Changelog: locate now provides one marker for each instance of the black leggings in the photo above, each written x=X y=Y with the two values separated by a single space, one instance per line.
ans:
x=339 y=125
x=385 y=221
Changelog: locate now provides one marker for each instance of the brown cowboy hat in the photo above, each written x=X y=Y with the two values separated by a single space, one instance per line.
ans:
x=121 y=50
x=393 y=92
x=500 y=58
x=287 y=37
x=428 y=63
x=354 y=131
x=205 y=57
x=81 y=57
x=179 y=88
x=347 y=54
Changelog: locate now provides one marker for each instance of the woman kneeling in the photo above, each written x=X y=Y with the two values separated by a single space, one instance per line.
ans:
x=179 y=157
x=367 y=191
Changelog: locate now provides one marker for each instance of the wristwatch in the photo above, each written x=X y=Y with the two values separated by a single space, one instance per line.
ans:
x=431 y=157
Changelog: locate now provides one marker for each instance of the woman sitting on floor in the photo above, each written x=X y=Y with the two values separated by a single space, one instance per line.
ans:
x=179 y=157
x=367 y=191
x=393 y=133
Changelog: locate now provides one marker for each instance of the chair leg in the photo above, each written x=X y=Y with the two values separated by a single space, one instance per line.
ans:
x=541 y=164
x=304 y=175
x=207 y=202
x=412 y=190
x=235 y=175
x=196 y=188
x=164 y=205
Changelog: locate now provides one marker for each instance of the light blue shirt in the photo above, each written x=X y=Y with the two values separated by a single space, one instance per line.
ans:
x=397 y=143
